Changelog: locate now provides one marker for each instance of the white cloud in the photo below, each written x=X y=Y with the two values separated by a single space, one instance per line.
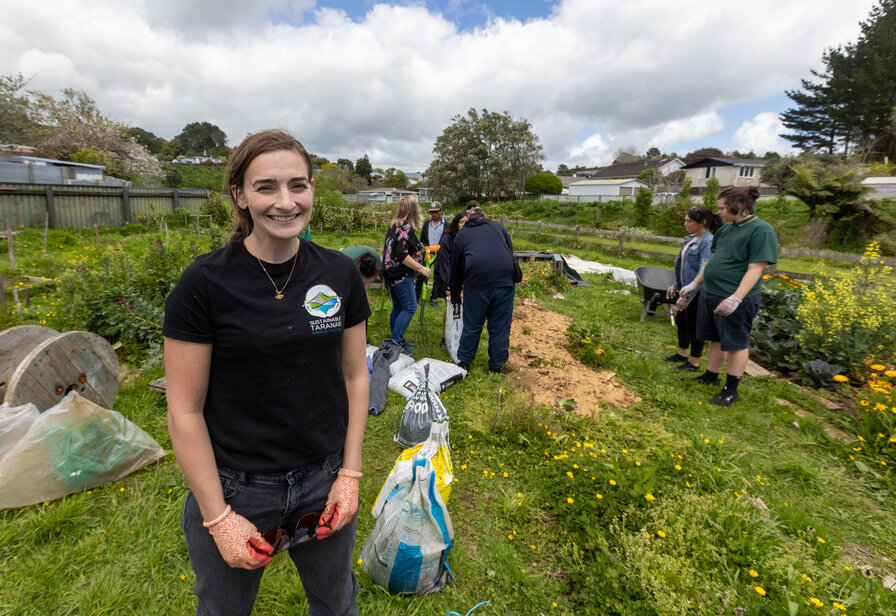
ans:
x=761 y=135
x=647 y=72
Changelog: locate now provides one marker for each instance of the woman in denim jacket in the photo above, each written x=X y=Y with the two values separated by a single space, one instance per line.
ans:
x=700 y=223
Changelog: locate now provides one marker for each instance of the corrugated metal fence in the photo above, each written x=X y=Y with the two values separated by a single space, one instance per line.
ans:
x=86 y=206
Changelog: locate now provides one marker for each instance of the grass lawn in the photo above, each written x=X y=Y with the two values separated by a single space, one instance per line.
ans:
x=668 y=506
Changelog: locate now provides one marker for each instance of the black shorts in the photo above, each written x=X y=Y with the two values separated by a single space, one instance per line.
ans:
x=732 y=331
x=439 y=287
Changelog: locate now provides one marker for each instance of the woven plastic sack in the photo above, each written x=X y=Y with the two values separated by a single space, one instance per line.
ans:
x=74 y=446
x=407 y=550
x=423 y=408
x=435 y=448
x=442 y=374
x=454 y=327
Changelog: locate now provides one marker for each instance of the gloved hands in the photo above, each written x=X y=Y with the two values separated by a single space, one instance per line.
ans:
x=688 y=290
x=727 y=306
x=670 y=292
x=239 y=542
x=682 y=304
x=342 y=503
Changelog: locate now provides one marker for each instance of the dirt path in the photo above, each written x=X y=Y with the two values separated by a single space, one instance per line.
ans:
x=549 y=371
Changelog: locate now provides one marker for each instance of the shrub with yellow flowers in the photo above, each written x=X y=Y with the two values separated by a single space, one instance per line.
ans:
x=876 y=417
x=848 y=317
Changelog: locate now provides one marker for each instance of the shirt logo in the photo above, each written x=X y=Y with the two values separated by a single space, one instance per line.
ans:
x=322 y=301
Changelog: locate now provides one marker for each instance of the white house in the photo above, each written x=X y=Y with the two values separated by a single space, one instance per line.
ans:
x=728 y=171
x=384 y=195
x=881 y=187
x=606 y=188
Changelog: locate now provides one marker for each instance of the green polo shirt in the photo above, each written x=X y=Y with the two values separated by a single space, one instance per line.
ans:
x=734 y=247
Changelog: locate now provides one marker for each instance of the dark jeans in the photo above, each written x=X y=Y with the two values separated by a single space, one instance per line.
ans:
x=325 y=566
x=496 y=307
x=404 y=305
x=686 y=321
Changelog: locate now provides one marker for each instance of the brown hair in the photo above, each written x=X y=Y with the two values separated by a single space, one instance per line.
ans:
x=407 y=210
x=740 y=199
x=252 y=147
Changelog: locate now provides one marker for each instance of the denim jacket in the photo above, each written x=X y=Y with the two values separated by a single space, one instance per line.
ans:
x=688 y=263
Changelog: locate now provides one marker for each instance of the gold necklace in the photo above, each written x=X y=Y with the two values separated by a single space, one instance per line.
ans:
x=279 y=292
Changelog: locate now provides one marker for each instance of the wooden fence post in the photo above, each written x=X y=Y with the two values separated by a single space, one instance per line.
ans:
x=96 y=234
x=46 y=231
x=12 y=251
x=621 y=242
x=51 y=208
x=125 y=204
x=3 y=292
x=577 y=233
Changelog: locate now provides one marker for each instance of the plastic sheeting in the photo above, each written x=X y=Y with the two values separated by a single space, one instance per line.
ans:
x=74 y=446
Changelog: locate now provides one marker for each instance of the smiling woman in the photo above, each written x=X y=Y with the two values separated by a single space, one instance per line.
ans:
x=267 y=397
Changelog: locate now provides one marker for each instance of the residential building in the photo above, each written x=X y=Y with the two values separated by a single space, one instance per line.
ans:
x=728 y=171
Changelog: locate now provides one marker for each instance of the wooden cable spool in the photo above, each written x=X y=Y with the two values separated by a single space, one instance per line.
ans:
x=77 y=360
x=15 y=344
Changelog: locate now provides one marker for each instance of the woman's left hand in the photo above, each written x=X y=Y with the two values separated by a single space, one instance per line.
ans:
x=342 y=505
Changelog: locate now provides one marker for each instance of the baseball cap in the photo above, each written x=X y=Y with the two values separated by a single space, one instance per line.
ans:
x=435 y=206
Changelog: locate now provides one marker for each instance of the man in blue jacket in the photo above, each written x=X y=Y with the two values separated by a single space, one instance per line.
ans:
x=482 y=268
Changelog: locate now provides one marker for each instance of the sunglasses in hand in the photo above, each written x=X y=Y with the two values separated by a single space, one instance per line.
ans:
x=306 y=530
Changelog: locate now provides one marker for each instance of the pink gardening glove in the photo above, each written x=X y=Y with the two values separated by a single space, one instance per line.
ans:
x=342 y=503
x=239 y=542
x=727 y=306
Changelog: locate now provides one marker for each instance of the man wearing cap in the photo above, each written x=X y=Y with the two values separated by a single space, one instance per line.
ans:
x=430 y=236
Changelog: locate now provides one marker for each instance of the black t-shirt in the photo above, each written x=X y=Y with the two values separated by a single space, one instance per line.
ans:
x=276 y=395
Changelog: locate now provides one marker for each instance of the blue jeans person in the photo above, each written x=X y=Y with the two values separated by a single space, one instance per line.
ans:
x=496 y=307
x=268 y=501
x=404 y=305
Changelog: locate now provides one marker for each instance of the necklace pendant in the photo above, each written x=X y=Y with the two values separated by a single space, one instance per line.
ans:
x=278 y=296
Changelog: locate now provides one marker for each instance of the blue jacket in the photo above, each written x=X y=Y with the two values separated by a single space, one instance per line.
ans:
x=479 y=257
x=688 y=265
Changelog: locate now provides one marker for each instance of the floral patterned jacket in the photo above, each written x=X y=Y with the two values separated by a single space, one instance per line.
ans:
x=401 y=241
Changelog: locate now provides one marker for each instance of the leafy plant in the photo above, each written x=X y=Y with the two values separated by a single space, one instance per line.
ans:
x=643 y=207
x=774 y=341
x=586 y=342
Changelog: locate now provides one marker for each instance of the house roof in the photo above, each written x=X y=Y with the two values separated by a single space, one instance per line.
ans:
x=884 y=179
x=630 y=170
x=59 y=163
x=607 y=182
x=721 y=161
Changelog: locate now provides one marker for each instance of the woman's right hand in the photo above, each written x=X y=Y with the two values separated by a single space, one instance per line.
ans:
x=425 y=272
x=239 y=542
x=670 y=292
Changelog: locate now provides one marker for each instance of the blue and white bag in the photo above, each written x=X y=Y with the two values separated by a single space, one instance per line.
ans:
x=407 y=549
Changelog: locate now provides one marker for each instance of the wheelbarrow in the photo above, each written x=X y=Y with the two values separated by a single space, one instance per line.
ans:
x=653 y=281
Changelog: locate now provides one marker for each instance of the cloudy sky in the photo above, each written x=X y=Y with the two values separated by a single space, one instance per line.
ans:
x=385 y=78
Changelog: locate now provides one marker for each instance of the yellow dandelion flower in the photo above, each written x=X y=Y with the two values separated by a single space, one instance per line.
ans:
x=612 y=482
x=625 y=451
x=637 y=463
x=839 y=606
x=678 y=467
x=599 y=496
x=840 y=378
x=754 y=573
x=506 y=474
x=569 y=474
x=820 y=540
x=121 y=489
x=570 y=500
x=760 y=590
x=661 y=534
x=650 y=498
x=706 y=440
x=816 y=601
x=847 y=568
x=182 y=576
x=463 y=467
x=878 y=367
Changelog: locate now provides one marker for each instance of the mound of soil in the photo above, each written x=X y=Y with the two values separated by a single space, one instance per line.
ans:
x=548 y=371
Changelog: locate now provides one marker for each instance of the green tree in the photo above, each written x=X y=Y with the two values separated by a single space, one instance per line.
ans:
x=198 y=137
x=395 y=178
x=701 y=153
x=16 y=125
x=483 y=154
x=335 y=178
x=73 y=122
x=828 y=194
x=643 y=208
x=653 y=151
x=171 y=149
x=544 y=183
x=173 y=176
x=652 y=177
x=346 y=164
x=148 y=140
x=364 y=168
x=562 y=169
x=848 y=109
x=711 y=193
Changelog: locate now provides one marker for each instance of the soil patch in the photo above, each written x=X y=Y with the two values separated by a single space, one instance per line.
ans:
x=548 y=371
